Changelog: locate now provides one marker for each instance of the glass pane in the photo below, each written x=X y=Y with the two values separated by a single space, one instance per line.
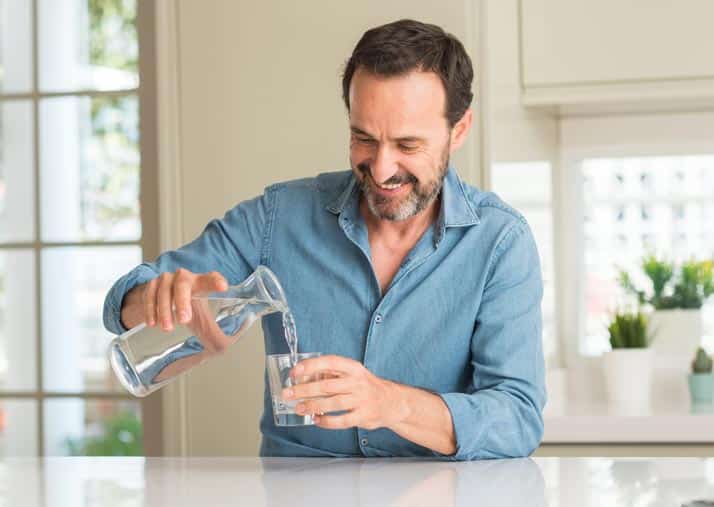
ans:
x=75 y=281
x=527 y=187
x=87 y=45
x=79 y=427
x=18 y=321
x=17 y=193
x=18 y=427
x=15 y=46
x=633 y=207
x=89 y=166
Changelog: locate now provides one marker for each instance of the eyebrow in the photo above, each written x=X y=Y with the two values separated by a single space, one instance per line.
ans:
x=407 y=139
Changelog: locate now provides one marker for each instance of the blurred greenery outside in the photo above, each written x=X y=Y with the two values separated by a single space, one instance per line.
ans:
x=120 y=435
x=110 y=168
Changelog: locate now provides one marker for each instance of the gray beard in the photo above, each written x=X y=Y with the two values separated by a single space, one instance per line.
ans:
x=419 y=198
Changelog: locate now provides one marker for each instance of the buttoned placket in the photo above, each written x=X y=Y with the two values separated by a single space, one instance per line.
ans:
x=356 y=231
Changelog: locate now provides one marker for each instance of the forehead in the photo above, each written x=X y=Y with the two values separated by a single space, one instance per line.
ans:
x=417 y=97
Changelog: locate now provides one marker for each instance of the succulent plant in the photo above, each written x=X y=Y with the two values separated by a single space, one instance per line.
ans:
x=628 y=330
x=702 y=362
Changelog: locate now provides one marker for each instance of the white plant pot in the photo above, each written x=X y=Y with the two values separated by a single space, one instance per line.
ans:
x=676 y=336
x=628 y=376
x=676 y=332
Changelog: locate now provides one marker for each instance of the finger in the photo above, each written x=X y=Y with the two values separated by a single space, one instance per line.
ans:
x=333 y=363
x=336 y=403
x=149 y=300
x=182 y=294
x=318 y=388
x=336 y=422
x=163 y=301
x=210 y=282
x=219 y=281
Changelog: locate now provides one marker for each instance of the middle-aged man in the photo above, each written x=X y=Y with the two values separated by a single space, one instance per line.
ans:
x=422 y=292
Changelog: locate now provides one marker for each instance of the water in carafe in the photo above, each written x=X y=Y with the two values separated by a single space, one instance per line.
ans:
x=146 y=358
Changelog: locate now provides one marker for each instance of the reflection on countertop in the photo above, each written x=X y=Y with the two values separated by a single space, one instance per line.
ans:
x=353 y=482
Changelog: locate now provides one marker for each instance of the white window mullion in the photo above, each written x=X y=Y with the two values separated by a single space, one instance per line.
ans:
x=569 y=257
x=37 y=251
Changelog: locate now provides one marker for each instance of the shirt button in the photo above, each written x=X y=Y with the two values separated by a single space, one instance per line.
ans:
x=364 y=441
x=378 y=318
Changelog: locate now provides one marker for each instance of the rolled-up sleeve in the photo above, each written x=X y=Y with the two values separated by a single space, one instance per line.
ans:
x=501 y=414
x=233 y=246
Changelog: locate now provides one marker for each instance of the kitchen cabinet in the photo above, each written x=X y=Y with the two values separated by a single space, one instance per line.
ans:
x=579 y=51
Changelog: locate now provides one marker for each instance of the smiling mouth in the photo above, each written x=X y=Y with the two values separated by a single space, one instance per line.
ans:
x=393 y=186
x=385 y=188
x=389 y=190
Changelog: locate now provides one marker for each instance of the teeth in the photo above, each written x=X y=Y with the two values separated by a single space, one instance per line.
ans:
x=390 y=187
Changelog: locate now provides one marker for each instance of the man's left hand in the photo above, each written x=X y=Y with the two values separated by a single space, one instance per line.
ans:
x=347 y=386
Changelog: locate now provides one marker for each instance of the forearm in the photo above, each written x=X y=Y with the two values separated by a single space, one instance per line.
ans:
x=424 y=419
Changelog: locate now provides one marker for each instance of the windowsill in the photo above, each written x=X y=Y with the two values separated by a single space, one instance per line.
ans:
x=603 y=423
x=577 y=415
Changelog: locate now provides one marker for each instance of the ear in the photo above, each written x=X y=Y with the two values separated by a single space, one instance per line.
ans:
x=460 y=130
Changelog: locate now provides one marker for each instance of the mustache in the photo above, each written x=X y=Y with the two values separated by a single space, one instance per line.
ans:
x=366 y=170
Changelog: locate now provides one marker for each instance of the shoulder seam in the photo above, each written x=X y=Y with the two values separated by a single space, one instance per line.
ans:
x=506 y=209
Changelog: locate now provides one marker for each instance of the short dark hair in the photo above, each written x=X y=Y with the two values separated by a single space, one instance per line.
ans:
x=406 y=45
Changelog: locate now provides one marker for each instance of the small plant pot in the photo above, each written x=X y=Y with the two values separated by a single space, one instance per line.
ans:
x=676 y=332
x=628 y=376
x=701 y=387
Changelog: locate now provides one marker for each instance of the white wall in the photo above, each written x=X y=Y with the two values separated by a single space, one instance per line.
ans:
x=259 y=102
x=515 y=134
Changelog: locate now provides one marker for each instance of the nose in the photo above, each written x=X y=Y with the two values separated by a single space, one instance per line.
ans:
x=384 y=165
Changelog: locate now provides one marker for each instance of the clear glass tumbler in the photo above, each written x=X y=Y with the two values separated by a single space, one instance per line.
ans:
x=279 y=366
x=147 y=358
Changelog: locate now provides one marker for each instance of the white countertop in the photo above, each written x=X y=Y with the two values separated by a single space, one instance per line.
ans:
x=84 y=482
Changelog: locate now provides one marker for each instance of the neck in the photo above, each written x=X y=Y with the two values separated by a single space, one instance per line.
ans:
x=401 y=229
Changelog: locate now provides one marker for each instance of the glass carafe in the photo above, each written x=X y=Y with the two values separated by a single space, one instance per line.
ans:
x=147 y=358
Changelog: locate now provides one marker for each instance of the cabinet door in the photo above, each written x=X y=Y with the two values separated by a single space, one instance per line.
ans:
x=581 y=42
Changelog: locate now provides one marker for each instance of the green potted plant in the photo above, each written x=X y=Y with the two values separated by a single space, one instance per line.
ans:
x=676 y=295
x=628 y=366
x=701 y=380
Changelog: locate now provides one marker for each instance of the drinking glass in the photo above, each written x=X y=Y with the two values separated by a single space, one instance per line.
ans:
x=279 y=366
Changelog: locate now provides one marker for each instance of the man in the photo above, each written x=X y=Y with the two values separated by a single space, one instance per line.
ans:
x=422 y=293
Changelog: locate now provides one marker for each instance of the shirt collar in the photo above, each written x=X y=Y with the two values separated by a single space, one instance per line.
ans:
x=456 y=210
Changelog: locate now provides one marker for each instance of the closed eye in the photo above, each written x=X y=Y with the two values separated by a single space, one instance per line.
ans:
x=407 y=148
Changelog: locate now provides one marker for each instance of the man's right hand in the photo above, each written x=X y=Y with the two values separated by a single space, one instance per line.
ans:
x=153 y=302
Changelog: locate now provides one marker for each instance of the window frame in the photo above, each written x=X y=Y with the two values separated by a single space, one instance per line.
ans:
x=651 y=134
x=151 y=407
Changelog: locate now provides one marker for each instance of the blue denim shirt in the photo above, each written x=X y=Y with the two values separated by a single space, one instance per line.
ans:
x=461 y=318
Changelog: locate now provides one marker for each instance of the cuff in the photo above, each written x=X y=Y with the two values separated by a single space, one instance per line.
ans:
x=465 y=430
x=115 y=297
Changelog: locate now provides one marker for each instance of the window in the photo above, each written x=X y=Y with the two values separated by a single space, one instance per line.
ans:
x=636 y=206
x=69 y=221
x=527 y=186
